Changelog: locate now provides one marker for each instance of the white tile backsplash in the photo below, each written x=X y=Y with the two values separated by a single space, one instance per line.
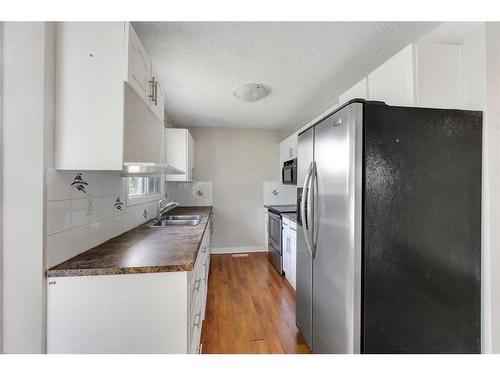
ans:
x=72 y=227
x=58 y=216
x=78 y=240
x=78 y=216
x=274 y=192
x=57 y=248
x=96 y=234
x=79 y=184
x=197 y=193
x=95 y=206
x=58 y=185
x=108 y=210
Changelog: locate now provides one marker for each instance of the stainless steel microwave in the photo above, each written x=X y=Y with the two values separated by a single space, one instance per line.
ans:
x=289 y=172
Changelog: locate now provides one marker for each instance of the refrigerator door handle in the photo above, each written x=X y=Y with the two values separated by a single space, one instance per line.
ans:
x=303 y=205
x=311 y=203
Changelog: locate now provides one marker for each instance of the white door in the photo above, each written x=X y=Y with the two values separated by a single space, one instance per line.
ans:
x=139 y=67
x=293 y=258
x=285 y=243
x=393 y=81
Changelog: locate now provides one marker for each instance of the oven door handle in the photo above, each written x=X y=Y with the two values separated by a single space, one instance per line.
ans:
x=303 y=205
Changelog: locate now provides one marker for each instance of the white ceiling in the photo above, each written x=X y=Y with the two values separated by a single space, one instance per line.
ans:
x=307 y=65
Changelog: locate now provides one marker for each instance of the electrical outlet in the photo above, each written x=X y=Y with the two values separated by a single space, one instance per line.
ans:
x=89 y=206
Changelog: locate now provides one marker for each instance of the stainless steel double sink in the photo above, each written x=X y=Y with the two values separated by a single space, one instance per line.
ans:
x=173 y=220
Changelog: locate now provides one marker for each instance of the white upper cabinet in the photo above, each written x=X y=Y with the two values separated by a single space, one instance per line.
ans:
x=393 y=82
x=438 y=74
x=358 y=91
x=287 y=149
x=179 y=153
x=139 y=67
x=104 y=118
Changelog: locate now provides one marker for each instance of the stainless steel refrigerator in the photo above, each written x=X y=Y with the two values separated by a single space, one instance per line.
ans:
x=389 y=235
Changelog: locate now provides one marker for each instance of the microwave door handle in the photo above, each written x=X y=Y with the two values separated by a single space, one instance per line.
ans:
x=303 y=205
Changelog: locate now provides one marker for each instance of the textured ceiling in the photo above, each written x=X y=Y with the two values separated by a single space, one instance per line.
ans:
x=305 y=64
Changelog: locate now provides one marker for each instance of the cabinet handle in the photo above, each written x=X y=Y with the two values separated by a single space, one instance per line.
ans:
x=203 y=249
x=156 y=92
x=198 y=320
x=200 y=349
x=197 y=284
x=152 y=95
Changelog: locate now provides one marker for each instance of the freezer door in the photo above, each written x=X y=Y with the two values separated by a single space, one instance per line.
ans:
x=422 y=258
x=337 y=227
x=304 y=260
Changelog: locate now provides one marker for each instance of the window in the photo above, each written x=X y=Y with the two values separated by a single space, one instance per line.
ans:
x=143 y=186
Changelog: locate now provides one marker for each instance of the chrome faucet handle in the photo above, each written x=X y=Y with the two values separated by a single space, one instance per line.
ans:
x=169 y=206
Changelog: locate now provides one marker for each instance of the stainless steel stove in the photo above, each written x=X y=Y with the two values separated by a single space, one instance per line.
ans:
x=274 y=248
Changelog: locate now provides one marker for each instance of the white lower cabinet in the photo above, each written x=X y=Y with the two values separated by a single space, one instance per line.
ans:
x=132 y=313
x=289 y=244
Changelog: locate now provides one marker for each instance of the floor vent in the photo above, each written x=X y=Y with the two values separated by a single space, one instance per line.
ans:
x=240 y=255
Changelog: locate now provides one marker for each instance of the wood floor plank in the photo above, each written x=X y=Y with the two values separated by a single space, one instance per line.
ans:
x=250 y=308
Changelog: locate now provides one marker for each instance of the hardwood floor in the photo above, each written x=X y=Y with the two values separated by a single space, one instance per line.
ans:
x=250 y=308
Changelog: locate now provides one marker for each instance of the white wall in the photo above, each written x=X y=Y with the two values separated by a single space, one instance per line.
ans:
x=23 y=175
x=198 y=193
x=237 y=161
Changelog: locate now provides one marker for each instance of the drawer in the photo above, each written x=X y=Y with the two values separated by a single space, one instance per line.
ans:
x=196 y=282
x=195 y=326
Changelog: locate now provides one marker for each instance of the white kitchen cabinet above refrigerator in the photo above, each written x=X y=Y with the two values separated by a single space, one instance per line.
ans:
x=393 y=81
x=179 y=153
x=107 y=99
x=358 y=91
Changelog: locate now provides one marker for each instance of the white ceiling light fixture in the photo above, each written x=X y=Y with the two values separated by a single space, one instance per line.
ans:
x=251 y=92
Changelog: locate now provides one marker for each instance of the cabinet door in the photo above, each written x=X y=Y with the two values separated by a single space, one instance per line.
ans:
x=293 y=258
x=286 y=251
x=139 y=67
x=439 y=69
x=358 y=91
x=295 y=144
x=190 y=156
x=393 y=82
x=90 y=70
x=282 y=152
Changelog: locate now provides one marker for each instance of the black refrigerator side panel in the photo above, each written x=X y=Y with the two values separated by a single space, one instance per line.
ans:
x=422 y=230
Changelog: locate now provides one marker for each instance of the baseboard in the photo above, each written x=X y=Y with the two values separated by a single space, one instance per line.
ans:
x=235 y=250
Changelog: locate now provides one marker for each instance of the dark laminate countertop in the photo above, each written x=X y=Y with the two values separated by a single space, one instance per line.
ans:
x=142 y=250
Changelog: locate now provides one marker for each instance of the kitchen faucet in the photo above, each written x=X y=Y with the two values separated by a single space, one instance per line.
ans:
x=161 y=210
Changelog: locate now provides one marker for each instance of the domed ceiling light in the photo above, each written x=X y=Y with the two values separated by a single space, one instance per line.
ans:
x=251 y=92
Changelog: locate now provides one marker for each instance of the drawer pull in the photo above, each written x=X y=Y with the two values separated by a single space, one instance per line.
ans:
x=198 y=320
x=203 y=249
x=197 y=284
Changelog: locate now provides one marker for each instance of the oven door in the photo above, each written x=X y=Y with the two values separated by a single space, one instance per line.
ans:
x=274 y=230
